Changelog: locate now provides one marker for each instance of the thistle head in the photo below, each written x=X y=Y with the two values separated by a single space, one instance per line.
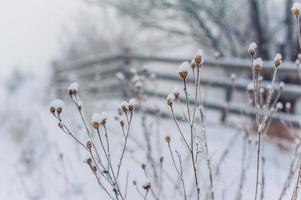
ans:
x=296 y=9
x=198 y=57
x=257 y=65
x=132 y=104
x=56 y=106
x=277 y=60
x=183 y=70
x=96 y=120
x=73 y=89
x=252 y=48
x=170 y=99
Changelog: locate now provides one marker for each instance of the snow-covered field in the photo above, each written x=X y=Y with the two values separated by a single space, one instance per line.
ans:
x=39 y=161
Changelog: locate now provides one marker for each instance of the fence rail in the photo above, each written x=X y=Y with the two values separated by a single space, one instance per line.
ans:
x=105 y=67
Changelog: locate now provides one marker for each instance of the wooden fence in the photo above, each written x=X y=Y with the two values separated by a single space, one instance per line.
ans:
x=98 y=75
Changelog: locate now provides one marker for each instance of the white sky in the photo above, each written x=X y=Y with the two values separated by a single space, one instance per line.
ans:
x=29 y=31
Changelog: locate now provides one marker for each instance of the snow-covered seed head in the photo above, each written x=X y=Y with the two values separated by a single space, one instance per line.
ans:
x=125 y=106
x=170 y=99
x=56 y=106
x=296 y=9
x=288 y=107
x=167 y=139
x=103 y=118
x=257 y=65
x=279 y=106
x=73 y=89
x=120 y=76
x=277 y=60
x=250 y=87
x=132 y=104
x=176 y=92
x=281 y=85
x=183 y=70
x=233 y=77
x=299 y=57
x=96 y=119
x=88 y=161
x=147 y=185
x=252 y=48
x=198 y=57
x=89 y=145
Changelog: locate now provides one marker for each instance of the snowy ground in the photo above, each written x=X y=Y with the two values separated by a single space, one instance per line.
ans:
x=41 y=162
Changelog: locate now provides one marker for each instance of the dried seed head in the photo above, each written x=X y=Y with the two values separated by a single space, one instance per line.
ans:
x=281 y=85
x=183 y=70
x=277 y=60
x=52 y=110
x=147 y=185
x=296 y=9
x=233 y=77
x=103 y=118
x=193 y=64
x=250 y=87
x=73 y=89
x=56 y=106
x=96 y=119
x=161 y=159
x=134 y=182
x=176 y=92
x=288 y=107
x=257 y=65
x=89 y=145
x=170 y=99
x=143 y=166
x=88 y=161
x=94 y=168
x=125 y=106
x=132 y=104
x=198 y=58
x=60 y=124
x=167 y=139
x=279 y=106
x=121 y=123
x=252 y=48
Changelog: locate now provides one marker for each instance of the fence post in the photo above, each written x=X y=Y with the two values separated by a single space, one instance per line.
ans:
x=126 y=62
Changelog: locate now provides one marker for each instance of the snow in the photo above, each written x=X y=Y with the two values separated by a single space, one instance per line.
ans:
x=73 y=88
x=252 y=46
x=57 y=103
x=183 y=68
x=96 y=118
x=296 y=7
x=41 y=162
x=258 y=62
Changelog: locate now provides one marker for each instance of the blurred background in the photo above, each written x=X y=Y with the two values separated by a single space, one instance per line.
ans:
x=102 y=45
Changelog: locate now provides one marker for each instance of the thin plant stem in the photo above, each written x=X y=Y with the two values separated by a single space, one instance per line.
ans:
x=179 y=129
x=110 y=165
x=295 y=193
x=207 y=153
x=298 y=31
x=176 y=168
x=125 y=143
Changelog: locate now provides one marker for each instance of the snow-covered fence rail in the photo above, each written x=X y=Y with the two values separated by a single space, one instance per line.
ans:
x=97 y=74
